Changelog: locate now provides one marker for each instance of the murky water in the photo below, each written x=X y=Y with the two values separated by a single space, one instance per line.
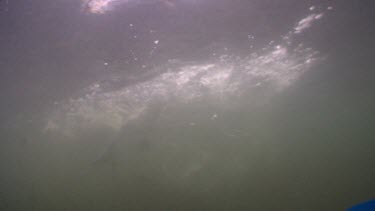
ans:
x=186 y=105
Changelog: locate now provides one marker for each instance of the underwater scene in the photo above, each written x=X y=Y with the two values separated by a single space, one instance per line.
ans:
x=186 y=105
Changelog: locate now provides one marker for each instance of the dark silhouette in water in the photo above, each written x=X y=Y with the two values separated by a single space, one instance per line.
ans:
x=138 y=133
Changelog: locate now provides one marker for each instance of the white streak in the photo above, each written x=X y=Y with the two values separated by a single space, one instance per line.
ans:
x=306 y=22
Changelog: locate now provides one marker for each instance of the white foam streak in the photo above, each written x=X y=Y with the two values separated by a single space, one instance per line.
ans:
x=274 y=71
x=306 y=22
x=271 y=70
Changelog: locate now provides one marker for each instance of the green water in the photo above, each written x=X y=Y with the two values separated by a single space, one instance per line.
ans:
x=309 y=146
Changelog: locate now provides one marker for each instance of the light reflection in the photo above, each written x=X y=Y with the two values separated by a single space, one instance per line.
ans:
x=97 y=6
x=104 y=6
x=273 y=69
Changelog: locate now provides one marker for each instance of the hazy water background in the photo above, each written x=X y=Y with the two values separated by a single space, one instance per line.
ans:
x=307 y=145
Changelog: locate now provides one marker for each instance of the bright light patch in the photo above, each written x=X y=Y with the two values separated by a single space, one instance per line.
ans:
x=97 y=6
x=306 y=22
x=270 y=71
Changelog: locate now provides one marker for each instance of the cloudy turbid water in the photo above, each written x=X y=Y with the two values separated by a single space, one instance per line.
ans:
x=164 y=105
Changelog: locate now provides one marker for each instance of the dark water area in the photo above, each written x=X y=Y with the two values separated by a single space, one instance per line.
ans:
x=186 y=105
